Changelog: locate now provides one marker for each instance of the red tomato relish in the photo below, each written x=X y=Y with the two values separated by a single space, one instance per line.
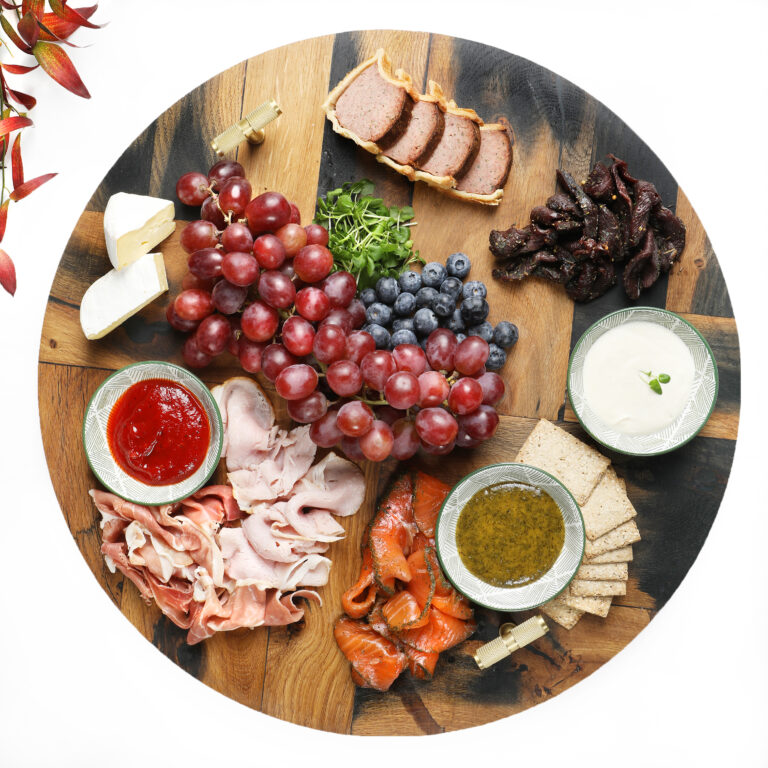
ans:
x=158 y=432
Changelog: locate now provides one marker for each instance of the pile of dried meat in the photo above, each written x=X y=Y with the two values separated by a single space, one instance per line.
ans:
x=580 y=236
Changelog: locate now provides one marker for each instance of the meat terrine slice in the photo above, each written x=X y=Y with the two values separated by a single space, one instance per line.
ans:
x=370 y=103
x=457 y=146
x=483 y=181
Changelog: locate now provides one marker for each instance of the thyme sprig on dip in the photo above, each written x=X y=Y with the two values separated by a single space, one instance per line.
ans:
x=655 y=382
x=365 y=236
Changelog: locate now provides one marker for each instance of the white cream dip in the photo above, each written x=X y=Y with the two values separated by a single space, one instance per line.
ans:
x=616 y=386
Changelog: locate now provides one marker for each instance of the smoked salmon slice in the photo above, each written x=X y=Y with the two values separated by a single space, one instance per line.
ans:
x=421 y=664
x=439 y=634
x=359 y=598
x=422 y=583
x=428 y=496
x=375 y=660
x=403 y=612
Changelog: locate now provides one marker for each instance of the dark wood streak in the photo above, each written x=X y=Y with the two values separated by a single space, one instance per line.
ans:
x=415 y=706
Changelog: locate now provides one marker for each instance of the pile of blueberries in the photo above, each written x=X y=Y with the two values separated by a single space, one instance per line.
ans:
x=407 y=309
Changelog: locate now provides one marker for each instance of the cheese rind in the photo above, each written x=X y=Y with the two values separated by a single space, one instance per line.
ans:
x=134 y=225
x=116 y=296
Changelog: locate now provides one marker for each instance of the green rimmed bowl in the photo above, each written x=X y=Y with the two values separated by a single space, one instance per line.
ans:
x=95 y=442
x=700 y=403
x=528 y=596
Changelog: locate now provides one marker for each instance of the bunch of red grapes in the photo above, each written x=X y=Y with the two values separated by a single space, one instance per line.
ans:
x=261 y=286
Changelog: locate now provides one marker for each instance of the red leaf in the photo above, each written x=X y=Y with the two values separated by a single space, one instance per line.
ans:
x=16 y=164
x=18 y=69
x=11 y=32
x=54 y=60
x=3 y=217
x=28 y=28
x=9 y=6
x=29 y=186
x=53 y=28
x=22 y=98
x=63 y=11
x=37 y=7
x=7 y=273
x=12 y=124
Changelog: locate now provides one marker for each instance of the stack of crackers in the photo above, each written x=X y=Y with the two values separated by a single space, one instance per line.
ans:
x=608 y=521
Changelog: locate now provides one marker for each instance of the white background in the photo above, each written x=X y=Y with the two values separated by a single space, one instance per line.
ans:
x=79 y=686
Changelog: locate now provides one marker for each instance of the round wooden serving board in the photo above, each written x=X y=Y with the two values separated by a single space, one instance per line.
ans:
x=297 y=673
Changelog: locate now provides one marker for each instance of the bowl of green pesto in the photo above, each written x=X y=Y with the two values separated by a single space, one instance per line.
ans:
x=510 y=537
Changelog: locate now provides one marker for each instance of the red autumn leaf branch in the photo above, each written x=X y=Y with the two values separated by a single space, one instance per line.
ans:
x=41 y=34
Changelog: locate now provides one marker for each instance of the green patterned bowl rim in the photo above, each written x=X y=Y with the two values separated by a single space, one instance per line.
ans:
x=696 y=412
x=94 y=434
x=529 y=596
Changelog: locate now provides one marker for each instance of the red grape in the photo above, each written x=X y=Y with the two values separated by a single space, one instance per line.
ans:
x=389 y=414
x=312 y=263
x=227 y=297
x=355 y=418
x=359 y=344
x=213 y=334
x=436 y=426
x=493 y=387
x=260 y=321
x=275 y=359
x=438 y=450
x=471 y=355
x=356 y=311
x=295 y=214
x=206 y=263
x=312 y=303
x=344 y=378
x=193 y=356
x=409 y=357
x=193 y=281
x=234 y=195
x=192 y=188
x=249 y=353
x=298 y=335
x=223 y=170
x=433 y=389
x=193 y=304
x=295 y=382
x=340 y=288
x=339 y=317
x=377 y=367
x=465 y=396
x=237 y=237
x=402 y=390
x=287 y=269
x=441 y=346
x=210 y=211
x=376 y=444
x=240 y=268
x=324 y=432
x=267 y=212
x=330 y=344
x=269 y=251
x=293 y=237
x=178 y=322
x=316 y=234
x=406 y=441
x=481 y=423
x=463 y=440
x=198 y=234
x=276 y=289
x=310 y=409
x=233 y=345
x=351 y=448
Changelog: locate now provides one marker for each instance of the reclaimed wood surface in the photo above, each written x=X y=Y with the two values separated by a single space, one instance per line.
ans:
x=296 y=673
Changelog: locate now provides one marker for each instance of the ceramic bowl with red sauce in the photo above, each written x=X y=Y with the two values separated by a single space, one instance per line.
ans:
x=152 y=433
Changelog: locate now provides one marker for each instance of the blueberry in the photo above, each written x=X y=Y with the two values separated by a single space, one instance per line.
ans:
x=425 y=296
x=424 y=321
x=443 y=305
x=423 y=343
x=402 y=324
x=505 y=334
x=404 y=337
x=460 y=337
x=379 y=314
x=458 y=265
x=484 y=330
x=409 y=281
x=451 y=286
x=380 y=336
x=474 y=288
x=433 y=274
x=405 y=304
x=387 y=289
x=368 y=296
x=456 y=322
x=474 y=310
x=496 y=358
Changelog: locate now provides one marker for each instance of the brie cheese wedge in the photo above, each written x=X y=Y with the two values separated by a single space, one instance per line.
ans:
x=134 y=225
x=116 y=296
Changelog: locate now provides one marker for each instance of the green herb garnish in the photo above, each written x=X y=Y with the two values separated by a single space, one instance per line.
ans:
x=655 y=382
x=365 y=236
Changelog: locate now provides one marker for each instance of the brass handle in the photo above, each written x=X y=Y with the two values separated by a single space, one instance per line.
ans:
x=250 y=128
x=511 y=638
